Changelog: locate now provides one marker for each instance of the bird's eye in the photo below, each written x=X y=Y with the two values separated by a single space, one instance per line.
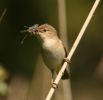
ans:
x=44 y=30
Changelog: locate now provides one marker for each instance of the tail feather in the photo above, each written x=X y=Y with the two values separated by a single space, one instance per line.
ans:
x=65 y=75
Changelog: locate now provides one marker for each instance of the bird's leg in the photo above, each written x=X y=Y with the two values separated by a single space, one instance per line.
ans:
x=52 y=79
x=53 y=76
x=54 y=85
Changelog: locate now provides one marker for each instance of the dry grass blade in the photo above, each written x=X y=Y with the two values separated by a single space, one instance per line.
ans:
x=2 y=15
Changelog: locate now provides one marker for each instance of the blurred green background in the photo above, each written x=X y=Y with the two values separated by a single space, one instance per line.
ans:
x=17 y=58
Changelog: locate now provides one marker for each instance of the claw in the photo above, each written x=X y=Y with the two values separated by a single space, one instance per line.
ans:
x=54 y=85
x=67 y=60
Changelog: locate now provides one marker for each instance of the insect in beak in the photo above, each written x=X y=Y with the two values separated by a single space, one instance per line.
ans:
x=31 y=30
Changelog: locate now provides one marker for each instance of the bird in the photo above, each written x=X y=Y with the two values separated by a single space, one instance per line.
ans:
x=53 y=50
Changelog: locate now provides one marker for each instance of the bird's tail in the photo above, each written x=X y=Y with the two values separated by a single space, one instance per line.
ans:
x=65 y=75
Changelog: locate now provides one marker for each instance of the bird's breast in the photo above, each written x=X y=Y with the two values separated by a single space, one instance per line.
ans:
x=53 y=54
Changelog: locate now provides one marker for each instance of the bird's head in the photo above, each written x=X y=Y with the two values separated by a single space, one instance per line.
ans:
x=45 y=31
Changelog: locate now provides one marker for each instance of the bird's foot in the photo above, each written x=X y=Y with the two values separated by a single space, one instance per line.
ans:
x=67 y=60
x=54 y=85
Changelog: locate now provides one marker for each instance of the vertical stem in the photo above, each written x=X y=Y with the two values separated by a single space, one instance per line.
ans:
x=62 y=21
x=66 y=85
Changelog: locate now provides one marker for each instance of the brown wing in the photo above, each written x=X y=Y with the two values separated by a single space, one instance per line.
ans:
x=65 y=49
x=65 y=52
x=66 y=73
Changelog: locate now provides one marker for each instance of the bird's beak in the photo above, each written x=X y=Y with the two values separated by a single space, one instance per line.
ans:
x=36 y=31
